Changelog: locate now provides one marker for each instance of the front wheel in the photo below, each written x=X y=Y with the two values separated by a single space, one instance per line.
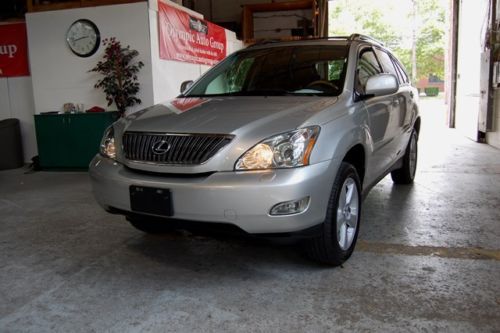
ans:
x=406 y=174
x=341 y=226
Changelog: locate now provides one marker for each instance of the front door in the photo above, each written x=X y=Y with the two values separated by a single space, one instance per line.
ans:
x=381 y=115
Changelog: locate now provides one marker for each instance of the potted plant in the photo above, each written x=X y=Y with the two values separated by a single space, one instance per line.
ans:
x=119 y=68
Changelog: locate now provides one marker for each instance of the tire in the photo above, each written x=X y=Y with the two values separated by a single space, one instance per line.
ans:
x=150 y=225
x=341 y=226
x=406 y=174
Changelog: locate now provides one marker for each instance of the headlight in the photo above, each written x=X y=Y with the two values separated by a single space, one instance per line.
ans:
x=108 y=147
x=287 y=150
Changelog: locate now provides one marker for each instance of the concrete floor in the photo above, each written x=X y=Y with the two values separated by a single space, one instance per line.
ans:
x=428 y=259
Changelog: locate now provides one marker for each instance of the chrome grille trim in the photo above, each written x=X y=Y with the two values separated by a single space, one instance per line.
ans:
x=185 y=149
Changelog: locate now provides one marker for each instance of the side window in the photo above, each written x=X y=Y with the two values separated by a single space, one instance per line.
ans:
x=388 y=65
x=401 y=71
x=368 y=65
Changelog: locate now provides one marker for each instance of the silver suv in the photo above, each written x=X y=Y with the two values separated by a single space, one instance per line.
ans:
x=278 y=138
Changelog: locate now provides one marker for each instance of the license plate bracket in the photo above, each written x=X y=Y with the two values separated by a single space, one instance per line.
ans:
x=151 y=200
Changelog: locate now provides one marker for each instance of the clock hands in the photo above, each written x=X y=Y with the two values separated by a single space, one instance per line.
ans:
x=77 y=39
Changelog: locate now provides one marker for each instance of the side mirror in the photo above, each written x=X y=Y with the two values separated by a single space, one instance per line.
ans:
x=381 y=85
x=186 y=85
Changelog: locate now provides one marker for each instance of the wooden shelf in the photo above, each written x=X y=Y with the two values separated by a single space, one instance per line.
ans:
x=41 y=6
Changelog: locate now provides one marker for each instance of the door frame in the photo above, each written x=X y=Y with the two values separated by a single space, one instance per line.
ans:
x=485 y=123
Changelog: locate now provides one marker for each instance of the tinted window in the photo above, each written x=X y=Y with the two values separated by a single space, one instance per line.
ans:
x=298 y=70
x=367 y=66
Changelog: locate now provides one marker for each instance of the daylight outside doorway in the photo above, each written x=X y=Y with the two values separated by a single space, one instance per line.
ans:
x=415 y=30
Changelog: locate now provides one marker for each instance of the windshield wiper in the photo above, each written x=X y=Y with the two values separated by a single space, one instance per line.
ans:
x=266 y=92
x=263 y=92
x=273 y=92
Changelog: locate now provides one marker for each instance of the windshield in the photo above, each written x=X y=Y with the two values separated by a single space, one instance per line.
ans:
x=315 y=70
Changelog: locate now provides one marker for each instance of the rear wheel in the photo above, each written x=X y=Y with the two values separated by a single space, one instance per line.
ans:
x=406 y=174
x=341 y=226
x=149 y=225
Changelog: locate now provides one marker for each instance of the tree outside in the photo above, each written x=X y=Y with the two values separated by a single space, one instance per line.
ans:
x=415 y=30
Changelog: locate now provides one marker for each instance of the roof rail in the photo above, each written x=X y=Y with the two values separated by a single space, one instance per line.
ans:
x=353 y=37
x=257 y=42
x=362 y=37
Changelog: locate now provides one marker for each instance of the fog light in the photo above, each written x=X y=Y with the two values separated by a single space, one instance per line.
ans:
x=290 y=207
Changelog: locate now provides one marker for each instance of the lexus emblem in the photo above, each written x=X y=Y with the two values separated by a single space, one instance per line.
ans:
x=160 y=147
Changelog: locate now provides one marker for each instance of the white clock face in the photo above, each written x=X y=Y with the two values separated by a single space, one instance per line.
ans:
x=83 y=38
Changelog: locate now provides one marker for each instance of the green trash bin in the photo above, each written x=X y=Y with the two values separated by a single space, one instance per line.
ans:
x=11 y=146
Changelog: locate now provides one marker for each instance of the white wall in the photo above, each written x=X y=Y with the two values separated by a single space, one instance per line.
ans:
x=16 y=101
x=168 y=75
x=60 y=77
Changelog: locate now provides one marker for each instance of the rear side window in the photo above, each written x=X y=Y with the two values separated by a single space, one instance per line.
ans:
x=401 y=71
x=368 y=66
x=388 y=65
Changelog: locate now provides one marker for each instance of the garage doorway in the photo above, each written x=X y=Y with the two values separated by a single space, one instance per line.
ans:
x=415 y=30
x=436 y=40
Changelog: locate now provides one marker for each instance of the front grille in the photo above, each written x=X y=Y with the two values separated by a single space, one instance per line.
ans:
x=172 y=148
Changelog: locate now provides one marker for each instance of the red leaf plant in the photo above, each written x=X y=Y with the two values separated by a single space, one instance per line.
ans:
x=120 y=70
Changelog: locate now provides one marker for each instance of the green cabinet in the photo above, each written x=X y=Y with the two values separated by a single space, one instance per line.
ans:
x=68 y=141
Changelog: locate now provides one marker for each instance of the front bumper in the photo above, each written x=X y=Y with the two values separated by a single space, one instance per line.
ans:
x=243 y=198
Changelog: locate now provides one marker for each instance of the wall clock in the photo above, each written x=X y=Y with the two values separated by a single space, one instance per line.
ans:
x=83 y=38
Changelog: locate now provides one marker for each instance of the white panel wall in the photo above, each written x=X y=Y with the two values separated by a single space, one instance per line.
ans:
x=5 y=110
x=493 y=138
x=59 y=76
x=16 y=101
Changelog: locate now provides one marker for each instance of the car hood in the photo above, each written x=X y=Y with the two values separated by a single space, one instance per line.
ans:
x=248 y=119
x=228 y=115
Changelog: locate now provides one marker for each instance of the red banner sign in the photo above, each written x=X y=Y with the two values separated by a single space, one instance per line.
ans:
x=13 y=50
x=189 y=39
